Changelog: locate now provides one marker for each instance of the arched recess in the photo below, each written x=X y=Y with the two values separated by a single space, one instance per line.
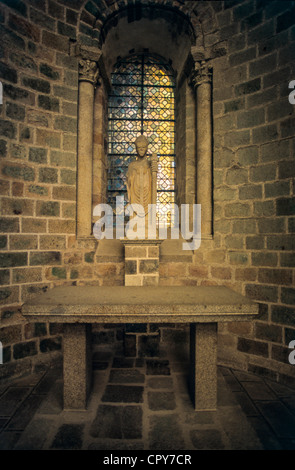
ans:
x=167 y=32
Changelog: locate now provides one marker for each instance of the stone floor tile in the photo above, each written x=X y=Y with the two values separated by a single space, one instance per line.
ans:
x=24 y=413
x=279 y=389
x=281 y=420
x=259 y=391
x=243 y=376
x=3 y=422
x=161 y=401
x=237 y=428
x=225 y=395
x=166 y=433
x=68 y=436
x=139 y=362
x=116 y=445
x=12 y=399
x=207 y=439
x=119 y=362
x=123 y=394
x=117 y=422
x=126 y=376
x=160 y=382
x=52 y=403
x=233 y=382
x=290 y=403
x=179 y=367
x=186 y=403
x=30 y=380
x=182 y=381
x=8 y=439
x=246 y=404
x=157 y=367
x=47 y=381
x=199 y=417
x=123 y=424
x=224 y=370
x=264 y=433
x=35 y=435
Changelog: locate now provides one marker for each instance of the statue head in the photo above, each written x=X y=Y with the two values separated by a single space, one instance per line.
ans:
x=141 y=144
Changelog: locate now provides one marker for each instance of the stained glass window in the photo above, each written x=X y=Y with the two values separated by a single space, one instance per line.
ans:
x=142 y=102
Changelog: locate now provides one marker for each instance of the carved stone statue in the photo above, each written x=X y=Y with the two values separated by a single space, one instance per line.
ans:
x=141 y=178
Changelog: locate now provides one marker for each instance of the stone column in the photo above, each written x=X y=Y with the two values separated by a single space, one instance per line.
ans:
x=203 y=363
x=88 y=76
x=77 y=365
x=201 y=80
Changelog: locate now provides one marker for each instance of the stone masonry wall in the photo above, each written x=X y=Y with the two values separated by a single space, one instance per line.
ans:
x=38 y=127
x=254 y=168
x=253 y=246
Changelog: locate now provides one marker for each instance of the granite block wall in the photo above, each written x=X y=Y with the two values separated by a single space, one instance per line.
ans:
x=252 y=250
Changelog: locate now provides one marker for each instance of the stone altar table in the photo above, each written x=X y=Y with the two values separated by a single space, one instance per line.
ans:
x=78 y=307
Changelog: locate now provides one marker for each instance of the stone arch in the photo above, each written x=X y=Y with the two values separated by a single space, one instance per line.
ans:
x=176 y=32
x=96 y=14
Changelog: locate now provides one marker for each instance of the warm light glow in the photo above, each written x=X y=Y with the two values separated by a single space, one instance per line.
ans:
x=142 y=102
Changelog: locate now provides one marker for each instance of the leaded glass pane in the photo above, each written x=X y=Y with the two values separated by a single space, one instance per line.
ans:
x=142 y=102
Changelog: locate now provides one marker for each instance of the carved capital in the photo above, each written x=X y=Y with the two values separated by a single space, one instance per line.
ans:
x=88 y=71
x=201 y=74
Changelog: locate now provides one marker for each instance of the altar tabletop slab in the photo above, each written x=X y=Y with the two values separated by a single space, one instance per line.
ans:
x=121 y=304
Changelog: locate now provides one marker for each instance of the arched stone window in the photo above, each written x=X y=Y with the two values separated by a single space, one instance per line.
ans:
x=142 y=102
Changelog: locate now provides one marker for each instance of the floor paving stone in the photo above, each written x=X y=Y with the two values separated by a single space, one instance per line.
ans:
x=281 y=420
x=119 y=362
x=259 y=391
x=47 y=381
x=207 y=439
x=3 y=422
x=123 y=394
x=145 y=404
x=157 y=367
x=238 y=430
x=36 y=434
x=52 y=403
x=25 y=413
x=117 y=422
x=9 y=440
x=161 y=401
x=160 y=382
x=246 y=404
x=246 y=376
x=69 y=436
x=114 y=445
x=290 y=403
x=11 y=399
x=126 y=376
x=199 y=417
x=166 y=433
x=265 y=434
x=279 y=389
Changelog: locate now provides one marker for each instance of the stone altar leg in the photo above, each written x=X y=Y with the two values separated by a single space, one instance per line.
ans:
x=203 y=360
x=77 y=365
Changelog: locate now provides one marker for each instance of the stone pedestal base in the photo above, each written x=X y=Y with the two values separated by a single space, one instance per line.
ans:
x=141 y=262
x=203 y=363
x=77 y=365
